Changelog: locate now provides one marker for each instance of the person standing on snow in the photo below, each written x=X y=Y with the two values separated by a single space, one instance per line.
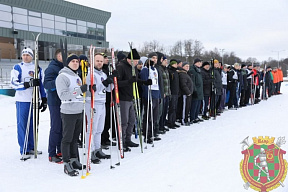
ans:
x=22 y=80
x=70 y=91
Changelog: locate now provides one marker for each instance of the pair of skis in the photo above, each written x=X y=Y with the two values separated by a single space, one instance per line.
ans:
x=212 y=107
x=35 y=104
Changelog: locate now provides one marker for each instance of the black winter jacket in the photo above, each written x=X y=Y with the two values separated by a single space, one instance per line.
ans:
x=185 y=82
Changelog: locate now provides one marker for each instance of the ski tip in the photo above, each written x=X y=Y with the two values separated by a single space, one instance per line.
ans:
x=87 y=174
x=83 y=177
x=111 y=167
x=117 y=164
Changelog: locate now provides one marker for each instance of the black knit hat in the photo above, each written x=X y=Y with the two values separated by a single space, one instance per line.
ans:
x=121 y=55
x=83 y=57
x=205 y=63
x=71 y=57
x=152 y=55
x=243 y=65
x=135 y=54
x=197 y=60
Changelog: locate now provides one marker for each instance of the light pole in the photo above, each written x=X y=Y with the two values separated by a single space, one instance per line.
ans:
x=222 y=50
x=278 y=55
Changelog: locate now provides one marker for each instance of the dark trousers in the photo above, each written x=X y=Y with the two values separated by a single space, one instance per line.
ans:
x=186 y=107
x=223 y=99
x=242 y=97
x=154 y=111
x=172 y=109
x=232 y=89
x=206 y=104
x=72 y=126
x=55 y=136
x=247 y=93
x=127 y=119
x=164 y=112
x=179 y=108
x=213 y=106
x=160 y=109
x=195 y=109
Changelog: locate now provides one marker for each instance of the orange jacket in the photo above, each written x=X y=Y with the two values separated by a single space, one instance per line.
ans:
x=275 y=76
x=280 y=75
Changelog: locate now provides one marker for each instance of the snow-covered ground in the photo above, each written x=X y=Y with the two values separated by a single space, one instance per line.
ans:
x=202 y=158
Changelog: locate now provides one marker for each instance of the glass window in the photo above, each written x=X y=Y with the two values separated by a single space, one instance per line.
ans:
x=93 y=25
x=34 y=28
x=91 y=31
x=81 y=29
x=5 y=24
x=71 y=21
x=59 y=32
x=100 y=26
x=5 y=16
x=48 y=30
x=20 y=26
x=100 y=34
x=20 y=11
x=91 y=37
x=36 y=14
x=34 y=21
x=5 y=8
x=82 y=23
x=61 y=19
x=59 y=25
x=81 y=35
x=71 y=27
x=47 y=16
x=48 y=23
x=72 y=34
x=20 y=19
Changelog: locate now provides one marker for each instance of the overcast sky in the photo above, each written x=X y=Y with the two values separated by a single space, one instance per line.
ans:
x=250 y=28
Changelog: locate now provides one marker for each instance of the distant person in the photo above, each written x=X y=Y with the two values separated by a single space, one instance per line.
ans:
x=22 y=80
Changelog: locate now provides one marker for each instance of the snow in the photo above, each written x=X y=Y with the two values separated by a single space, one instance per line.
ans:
x=203 y=157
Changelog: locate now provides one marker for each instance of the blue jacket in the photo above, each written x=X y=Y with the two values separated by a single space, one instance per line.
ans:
x=144 y=74
x=49 y=82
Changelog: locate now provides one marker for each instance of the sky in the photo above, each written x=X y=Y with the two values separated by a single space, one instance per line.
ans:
x=250 y=28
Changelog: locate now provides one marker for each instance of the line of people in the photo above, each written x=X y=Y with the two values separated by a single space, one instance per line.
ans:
x=179 y=92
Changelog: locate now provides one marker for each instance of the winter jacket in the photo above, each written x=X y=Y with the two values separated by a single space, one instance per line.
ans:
x=49 y=82
x=198 y=83
x=244 y=85
x=125 y=87
x=68 y=89
x=207 y=81
x=144 y=75
x=185 y=82
x=160 y=76
x=174 y=80
x=280 y=75
x=218 y=81
x=166 y=81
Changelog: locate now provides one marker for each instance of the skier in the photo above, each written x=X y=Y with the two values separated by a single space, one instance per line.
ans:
x=70 y=89
x=197 y=95
x=55 y=136
x=23 y=82
x=102 y=83
x=232 y=79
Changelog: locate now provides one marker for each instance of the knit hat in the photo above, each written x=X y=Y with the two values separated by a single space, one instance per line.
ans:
x=83 y=57
x=205 y=63
x=164 y=58
x=135 y=54
x=197 y=60
x=216 y=61
x=29 y=51
x=152 y=55
x=173 y=61
x=71 y=57
x=185 y=63
x=121 y=55
x=243 y=65
x=178 y=61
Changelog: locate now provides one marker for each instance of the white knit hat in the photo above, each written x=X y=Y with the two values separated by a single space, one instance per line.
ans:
x=29 y=51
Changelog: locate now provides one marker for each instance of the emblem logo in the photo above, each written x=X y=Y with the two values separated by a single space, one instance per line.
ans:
x=263 y=167
x=31 y=73
x=78 y=82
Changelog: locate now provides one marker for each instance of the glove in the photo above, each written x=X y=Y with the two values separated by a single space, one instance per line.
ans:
x=43 y=105
x=83 y=88
x=148 y=82
x=32 y=83
x=93 y=88
x=132 y=80
x=115 y=73
x=108 y=81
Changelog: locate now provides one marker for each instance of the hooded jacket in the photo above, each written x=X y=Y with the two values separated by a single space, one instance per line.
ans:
x=185 y=82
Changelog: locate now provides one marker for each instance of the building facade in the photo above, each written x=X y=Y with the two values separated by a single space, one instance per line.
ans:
x=21 y=20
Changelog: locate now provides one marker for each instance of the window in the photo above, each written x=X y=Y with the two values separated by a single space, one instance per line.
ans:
x=60 y=32
x=34 y=21
x=20 y=19
x=5 y=16
x=5 y=24
x=61 y=19
x=81 y=29
x=48 y=23
x=71 y=21
x=100 y=26
x=20 y=26
x=92 y=25
x=71 y=27
x=5 y=8
x=82 y=23
x=19 y=11
x=34 y=28
x=47 y=16
x=59 y=25
x=48 y=30
x=35 y=14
